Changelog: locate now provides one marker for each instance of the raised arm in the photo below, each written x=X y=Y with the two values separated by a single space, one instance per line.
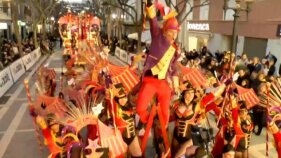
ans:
x=151 y=13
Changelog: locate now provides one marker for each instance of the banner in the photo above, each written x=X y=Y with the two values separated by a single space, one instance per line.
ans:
x=117 y=52
x=123 y=55
x=27 y=61
x=17 y=69
x=33 y=55
x=38 y=52
x=6 y=81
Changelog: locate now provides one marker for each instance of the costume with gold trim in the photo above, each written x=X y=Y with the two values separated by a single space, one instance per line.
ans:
x=160 y=64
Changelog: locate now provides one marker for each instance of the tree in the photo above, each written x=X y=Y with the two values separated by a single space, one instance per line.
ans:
x=183 y=8
x=182 y=5
x=131 y=11
x=41 y=10
x=15 y=17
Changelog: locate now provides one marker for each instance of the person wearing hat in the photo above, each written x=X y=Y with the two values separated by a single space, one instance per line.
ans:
x=124 y=117
x=224 y=145
x=188 y=111
x=246 y=126
x=160 y=65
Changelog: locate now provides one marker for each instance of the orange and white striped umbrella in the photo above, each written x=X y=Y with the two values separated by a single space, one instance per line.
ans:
x=123 y=75
x=111 y=138
x=248 y=95
x=194 y=76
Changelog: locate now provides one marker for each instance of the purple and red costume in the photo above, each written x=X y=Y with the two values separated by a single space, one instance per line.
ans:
x=156 y=83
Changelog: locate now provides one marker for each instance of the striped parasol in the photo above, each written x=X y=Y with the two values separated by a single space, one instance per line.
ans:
x=112 y=139
x=248 y=95
x=123 y=75
x=45 y=105
x=194 y=76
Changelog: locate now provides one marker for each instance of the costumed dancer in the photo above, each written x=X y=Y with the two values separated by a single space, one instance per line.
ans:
x=233 y=138
x=245 y=127
x=46 y=82
x=51 y=132
x=224 y=139
x=124 y=116
x=272 y=101
x=160 y=66
x=273 y=128
x=188 y=111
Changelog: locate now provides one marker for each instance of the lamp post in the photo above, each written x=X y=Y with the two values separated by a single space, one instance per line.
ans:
x=114 y=16
x=237 y=9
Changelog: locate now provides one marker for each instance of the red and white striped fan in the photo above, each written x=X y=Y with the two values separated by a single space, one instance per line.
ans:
x=248 y=95
x=123 y=75
x=112 y=139
x=45 y=105
x=194 y=76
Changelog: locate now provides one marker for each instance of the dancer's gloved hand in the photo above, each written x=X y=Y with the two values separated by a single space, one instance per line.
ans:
x=230 y=91
x=228 y=81
x=235 y=76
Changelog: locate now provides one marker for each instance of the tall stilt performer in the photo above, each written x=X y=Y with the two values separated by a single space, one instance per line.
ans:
x=160 y=66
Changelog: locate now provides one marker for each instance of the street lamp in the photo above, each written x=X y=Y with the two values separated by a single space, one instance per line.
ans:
x=237 y=9
x=114 y=16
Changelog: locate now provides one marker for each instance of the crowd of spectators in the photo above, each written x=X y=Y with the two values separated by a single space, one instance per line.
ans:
x=10 y=50
x=253 y=73
x=124 y=43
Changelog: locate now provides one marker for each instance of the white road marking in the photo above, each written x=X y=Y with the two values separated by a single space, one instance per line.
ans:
x=8 y=135
x=20 y=131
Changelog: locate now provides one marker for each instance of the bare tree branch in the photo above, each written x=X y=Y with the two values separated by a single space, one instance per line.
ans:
x=204 y=3
x=126 y=11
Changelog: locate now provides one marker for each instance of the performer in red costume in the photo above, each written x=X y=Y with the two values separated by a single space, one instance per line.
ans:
x=245 y=126
x=234 y=134
x=124 y=116
x=50 y=130
x=160 y=66
x=188 y=111
x=277 y=137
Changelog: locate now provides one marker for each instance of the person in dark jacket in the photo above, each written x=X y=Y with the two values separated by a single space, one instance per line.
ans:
x=272 y=68
x=270 y=56
x=257 y=65
x=243 y=76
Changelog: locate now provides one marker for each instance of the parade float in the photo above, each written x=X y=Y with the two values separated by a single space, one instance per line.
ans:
x=108 y=110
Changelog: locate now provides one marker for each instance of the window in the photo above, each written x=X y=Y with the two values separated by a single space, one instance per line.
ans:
x=228 y=14
x=204 y=11
x=190 y=16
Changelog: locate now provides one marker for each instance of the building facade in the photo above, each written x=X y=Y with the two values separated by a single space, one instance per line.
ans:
x=5 y=19
x=259 y=31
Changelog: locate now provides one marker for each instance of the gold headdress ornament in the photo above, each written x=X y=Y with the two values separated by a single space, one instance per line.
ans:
x=274 y=95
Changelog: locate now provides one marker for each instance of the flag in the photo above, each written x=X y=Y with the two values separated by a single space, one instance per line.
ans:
x=248 y=95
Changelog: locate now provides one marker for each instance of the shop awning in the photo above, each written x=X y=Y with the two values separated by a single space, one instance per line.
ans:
x=145 y=36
